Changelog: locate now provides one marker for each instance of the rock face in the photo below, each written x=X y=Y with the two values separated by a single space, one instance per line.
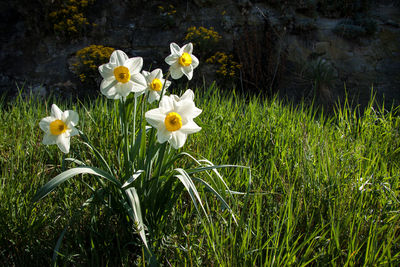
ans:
x=311 y=56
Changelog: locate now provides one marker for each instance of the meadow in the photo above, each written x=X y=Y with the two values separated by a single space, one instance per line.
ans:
x=321 y=189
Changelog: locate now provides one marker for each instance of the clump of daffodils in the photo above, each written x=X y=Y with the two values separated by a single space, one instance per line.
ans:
x=149 y=154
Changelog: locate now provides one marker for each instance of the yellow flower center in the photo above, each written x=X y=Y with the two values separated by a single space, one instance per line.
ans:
x=173 y=121
x=156 y=85
x=122 y=74
x=57 y=127
x=185 y=60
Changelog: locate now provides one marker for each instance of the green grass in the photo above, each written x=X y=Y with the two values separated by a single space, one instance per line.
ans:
x=303 y=204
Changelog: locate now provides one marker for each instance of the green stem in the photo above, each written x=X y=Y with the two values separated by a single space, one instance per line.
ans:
x=165 y=82
x=126 y=139
x=134 y=121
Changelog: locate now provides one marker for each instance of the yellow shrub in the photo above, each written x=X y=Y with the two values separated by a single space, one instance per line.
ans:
x=88 y=60
x=205 y=40
x=69 y=18
x=227 y=67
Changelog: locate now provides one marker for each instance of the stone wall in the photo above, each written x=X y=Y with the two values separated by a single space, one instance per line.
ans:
x=311 y=57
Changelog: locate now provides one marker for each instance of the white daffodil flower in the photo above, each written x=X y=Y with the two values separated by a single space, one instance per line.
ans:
x=173 y=119
x=155 y=83
x=59 y=127
x=182 y=61
x=122 y=76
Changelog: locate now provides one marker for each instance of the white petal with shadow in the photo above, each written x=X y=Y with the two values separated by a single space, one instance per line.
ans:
x=49 y=139
x=44 y=124
x=163 y=134
x=107 y=87
x=188 y=48
x=63 y=143
x=175 y=49
x=118 y=58
x=134 y=65
x=171 y=59
x=154 y=117
x=56 y=112
x=178 y=139
x=188 y=71
x=107 y=70
x=190 y=127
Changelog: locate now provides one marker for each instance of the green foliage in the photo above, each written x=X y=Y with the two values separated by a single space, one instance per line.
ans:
x=325 y=190
x=319 y=73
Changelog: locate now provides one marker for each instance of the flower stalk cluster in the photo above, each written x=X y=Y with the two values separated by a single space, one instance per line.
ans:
x=148 y=179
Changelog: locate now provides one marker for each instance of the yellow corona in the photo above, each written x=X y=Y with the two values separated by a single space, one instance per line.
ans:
x=57 y=127
x=122 y=74
x=173 y=121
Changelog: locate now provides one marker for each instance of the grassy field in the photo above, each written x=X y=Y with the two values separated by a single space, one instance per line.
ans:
x=322 y=189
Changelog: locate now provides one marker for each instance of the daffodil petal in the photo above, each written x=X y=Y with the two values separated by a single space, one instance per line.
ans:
x=196 y=112
x=74 y=131
x=107 y=88
x=178 y=139
x=176 y=71
x=56 y=112
x=44 y=124
x=153 y=96
x=156 y=74
x=185 y=108
x=139 y=82
x=175 y=49
x=70 y=117
x=190 y=127
x=134 y=64
x=154 y=117
x=188 y=48
x=167 y=83
x=188 y=71
x=163 y=135
x=107 y=70
x=167 y=104
x=63 y=143
x=49 y=139
x=195 y=61
x=118 y=58
x=171 y=59
x=188 y=95
x=124 y=88
x=145 y=73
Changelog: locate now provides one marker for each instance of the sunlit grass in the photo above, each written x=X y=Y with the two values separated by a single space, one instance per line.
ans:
x=324 y=189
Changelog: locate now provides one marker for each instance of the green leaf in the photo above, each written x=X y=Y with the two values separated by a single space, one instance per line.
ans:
x=75 y=161
x=137 y=213
x=132 y=178
x=209 y=187
x=191 y=188
x=64 y=176
x=58 y=245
